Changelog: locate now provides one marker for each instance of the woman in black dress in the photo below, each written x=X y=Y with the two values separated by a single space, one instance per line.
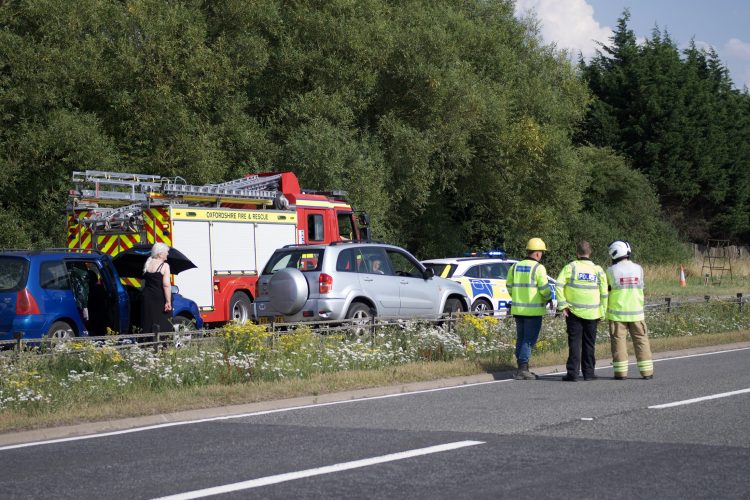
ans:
x=156 y=299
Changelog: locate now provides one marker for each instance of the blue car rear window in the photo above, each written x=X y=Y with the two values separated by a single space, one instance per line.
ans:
x=13 y=273
x=53 y=275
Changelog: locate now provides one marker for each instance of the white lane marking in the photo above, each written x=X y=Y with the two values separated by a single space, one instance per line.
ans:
x=698 y=400
x=291 y=476
x=303 y=407
x=701 y=354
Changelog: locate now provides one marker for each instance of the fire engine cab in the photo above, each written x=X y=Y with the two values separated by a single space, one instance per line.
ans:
x=228 y=230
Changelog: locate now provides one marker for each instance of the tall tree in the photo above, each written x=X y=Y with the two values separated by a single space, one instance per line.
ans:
x=669 y=112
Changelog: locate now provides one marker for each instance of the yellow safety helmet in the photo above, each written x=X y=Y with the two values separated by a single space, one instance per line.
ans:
x=536 y=244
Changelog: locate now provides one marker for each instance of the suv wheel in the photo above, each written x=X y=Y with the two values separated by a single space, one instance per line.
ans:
x=453 y=305
x=360 y=314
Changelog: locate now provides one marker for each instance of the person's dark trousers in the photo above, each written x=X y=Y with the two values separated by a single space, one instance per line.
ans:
x=581 y=346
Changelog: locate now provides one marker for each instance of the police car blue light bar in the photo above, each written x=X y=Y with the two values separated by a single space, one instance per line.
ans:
x=489 y=253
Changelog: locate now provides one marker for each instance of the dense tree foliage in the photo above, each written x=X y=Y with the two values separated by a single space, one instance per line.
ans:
x=679 y=120
x=450 y=122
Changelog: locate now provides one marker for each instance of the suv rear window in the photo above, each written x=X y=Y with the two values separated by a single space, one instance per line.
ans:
x=13 y=273
x=304 y=260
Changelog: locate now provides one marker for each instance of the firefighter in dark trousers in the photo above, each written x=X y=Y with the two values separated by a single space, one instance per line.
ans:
x=529 y=290
x=582 y=300
x=625 y=312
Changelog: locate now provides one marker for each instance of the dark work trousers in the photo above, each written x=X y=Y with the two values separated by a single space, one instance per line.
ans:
x=581 y=345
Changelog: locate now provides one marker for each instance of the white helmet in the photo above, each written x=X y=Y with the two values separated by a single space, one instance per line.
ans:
x=619 y=249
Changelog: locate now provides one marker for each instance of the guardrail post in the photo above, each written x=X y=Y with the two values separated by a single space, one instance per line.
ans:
x=739 y=300
x=18 y=336
x=668 y=300
x=372 y=330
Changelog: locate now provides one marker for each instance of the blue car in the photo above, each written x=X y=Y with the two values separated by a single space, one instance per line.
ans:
x=64 y=294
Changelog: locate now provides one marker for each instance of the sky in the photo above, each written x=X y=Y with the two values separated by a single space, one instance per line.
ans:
x=721 y=24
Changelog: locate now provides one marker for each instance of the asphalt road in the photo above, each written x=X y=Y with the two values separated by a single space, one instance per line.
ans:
x=500 y=439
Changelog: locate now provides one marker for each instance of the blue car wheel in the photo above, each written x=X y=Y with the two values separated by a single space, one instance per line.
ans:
x=60 y=330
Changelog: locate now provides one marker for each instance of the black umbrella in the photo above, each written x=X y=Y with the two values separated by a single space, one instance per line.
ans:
x=129 y=263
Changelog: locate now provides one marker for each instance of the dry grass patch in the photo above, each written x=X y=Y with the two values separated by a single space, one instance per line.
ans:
x=663 y=280
x=179 y=399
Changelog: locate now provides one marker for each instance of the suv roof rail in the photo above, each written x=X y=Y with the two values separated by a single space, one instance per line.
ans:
x=341 y=242
x=292 y=245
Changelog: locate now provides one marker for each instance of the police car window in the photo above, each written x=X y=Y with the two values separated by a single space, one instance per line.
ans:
x=499 y=271
x=442 y=270
x=54 y=276
x=474 y=272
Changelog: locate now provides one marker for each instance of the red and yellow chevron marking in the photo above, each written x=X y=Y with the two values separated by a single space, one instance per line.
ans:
x=112 y=244
x=157 y=225
x=109 y=244
x=78 y=235
x=128 y=241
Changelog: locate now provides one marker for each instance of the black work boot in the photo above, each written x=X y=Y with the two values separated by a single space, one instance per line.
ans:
x=523 y=373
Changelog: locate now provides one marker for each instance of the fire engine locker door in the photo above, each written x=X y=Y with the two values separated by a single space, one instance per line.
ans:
x=193 y=239
x=232 y=247
x=269 y=237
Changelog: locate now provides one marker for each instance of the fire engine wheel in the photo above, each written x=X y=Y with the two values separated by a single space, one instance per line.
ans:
x=481 y=306
x=60 y=330
x=240 y=307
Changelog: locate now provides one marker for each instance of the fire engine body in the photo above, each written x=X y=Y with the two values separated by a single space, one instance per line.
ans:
x=228 y=230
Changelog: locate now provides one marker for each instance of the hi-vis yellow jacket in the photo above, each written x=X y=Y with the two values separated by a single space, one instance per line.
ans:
x=626 y=294
x=528 y=287
x=582 y=287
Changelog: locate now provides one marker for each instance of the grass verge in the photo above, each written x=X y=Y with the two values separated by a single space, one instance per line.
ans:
x=178 y=399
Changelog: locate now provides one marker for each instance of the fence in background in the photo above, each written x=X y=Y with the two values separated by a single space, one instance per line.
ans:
x=352 y=328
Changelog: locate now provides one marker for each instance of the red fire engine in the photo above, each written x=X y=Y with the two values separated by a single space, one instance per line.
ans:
x=228 y=230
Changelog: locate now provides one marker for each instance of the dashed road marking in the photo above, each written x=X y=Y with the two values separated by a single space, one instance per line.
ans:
x=329 y=469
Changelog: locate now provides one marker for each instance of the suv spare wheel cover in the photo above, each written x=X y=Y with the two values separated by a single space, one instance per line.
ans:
x=288 y=290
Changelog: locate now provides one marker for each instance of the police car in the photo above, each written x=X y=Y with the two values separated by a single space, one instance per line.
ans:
x=483 y=277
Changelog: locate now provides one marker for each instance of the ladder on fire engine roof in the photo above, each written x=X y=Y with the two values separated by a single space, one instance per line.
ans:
x=156 y=190
x=142 y=190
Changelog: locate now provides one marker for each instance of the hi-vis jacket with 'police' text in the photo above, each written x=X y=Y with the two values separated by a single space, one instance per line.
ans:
x=582 y=287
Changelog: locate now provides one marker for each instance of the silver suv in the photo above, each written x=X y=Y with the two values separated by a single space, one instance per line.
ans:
x=351 y=280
